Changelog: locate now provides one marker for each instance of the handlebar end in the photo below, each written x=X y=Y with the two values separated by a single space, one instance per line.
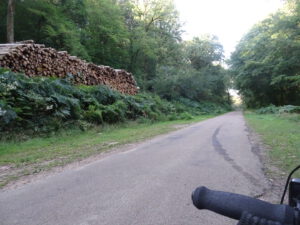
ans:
x=197 y=193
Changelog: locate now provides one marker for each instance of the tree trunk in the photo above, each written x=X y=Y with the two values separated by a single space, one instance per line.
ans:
x=10 y=21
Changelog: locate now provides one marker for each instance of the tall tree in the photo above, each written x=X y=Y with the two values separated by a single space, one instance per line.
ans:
x=142 y=36
x=155 y=31
x=106 y=33
x=199 y=76
x=10 y=21
x=204 y=51
x=266 y=63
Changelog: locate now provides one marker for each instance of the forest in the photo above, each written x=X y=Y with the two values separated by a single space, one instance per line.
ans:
x=266 y=63
x=142 y=37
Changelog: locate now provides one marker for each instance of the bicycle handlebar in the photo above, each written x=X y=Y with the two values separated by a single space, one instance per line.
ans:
x=233 y=205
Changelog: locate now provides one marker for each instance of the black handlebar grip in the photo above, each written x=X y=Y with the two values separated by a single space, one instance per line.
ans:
x=233 y=205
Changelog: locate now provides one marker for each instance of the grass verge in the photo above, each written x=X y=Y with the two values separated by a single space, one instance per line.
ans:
x=282 y=134
x=19 y=159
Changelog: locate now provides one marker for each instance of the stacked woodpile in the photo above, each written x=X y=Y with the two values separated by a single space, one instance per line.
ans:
x=37 y=60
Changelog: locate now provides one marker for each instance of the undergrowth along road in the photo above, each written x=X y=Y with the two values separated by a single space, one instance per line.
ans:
x=282 y=134
x=18 y=159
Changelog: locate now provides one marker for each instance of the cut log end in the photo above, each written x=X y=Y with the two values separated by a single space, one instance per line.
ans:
x=37 y=60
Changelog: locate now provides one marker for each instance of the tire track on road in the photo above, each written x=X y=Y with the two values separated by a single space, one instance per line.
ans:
x=222 y=151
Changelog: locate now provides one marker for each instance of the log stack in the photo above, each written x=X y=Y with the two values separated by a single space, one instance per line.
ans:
x=37 y=60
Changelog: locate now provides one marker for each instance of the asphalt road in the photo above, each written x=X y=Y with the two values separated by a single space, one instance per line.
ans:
x=148 y=185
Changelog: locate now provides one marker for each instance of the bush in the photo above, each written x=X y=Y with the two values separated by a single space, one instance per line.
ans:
x=7 y=115
x=185 y=116
x=289 y=109
x=93 y=115
x=44 y=105
x=271 y=109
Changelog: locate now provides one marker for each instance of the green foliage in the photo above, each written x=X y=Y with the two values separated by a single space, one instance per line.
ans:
x=185 y=116
x=93 y=115
x=281 y=134
x=43 y=105
x=7 y=115
x=105 y=34
x=53 y=24
x=154 y=32
x=202 y=52
x=272 y=109
x=266 y=63
x=143 y=37
x=115 y=112
x=129 y=34
x=198 y=77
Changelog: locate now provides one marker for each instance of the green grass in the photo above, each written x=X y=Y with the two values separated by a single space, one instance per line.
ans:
x=282 y=134
x=40 y=154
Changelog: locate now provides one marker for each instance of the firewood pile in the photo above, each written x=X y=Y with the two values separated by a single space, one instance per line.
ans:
x=37 y=60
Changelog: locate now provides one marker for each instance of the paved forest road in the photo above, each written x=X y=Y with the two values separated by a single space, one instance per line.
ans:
x=148 y=185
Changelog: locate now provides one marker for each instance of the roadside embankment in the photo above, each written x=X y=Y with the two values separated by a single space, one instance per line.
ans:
x=282 y=134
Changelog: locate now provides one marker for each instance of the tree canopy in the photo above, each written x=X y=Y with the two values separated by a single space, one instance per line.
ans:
x=141 y=36
x=266 y=62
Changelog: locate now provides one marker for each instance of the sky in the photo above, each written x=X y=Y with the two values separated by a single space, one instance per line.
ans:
x=227 y=19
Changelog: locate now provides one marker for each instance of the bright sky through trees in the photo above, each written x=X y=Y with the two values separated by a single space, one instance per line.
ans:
x=228 y=19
